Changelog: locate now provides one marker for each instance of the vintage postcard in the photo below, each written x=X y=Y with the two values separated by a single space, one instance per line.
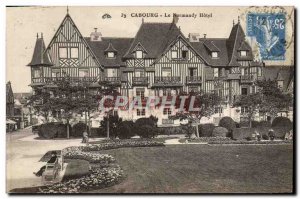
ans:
x=152 y=100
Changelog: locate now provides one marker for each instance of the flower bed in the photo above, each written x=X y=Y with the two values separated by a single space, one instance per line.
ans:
x=106 y=145
x=250 y=142
x=104 y=171
x=98 y=178
x=206 y=139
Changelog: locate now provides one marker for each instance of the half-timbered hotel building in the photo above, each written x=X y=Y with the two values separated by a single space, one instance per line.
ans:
x=159 y=61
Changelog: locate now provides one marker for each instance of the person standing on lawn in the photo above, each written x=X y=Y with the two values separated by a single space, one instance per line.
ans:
x=85 y=137
x=258 y=136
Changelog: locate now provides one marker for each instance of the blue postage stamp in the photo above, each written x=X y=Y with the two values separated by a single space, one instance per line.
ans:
x=269 y=31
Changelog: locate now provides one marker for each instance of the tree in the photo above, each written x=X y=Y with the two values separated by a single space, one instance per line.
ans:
x=251 y=103
x=274 y=99
x=269 y=100
x=205 y=104
x=112 y=123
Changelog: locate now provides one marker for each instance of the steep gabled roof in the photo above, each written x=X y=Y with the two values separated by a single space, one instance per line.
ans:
x=120 y=45
x=235 y=42
x=40 y=57
x=279 y=73
x=219 y=44
x=154 y=38
x=209 y=44
x=9 y=93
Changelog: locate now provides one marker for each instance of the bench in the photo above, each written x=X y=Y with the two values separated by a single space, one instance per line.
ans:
x=52 y=170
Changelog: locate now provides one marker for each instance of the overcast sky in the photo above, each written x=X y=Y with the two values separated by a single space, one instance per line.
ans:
x=23 y=23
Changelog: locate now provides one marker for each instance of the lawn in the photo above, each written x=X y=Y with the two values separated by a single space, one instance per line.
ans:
x=204 y=169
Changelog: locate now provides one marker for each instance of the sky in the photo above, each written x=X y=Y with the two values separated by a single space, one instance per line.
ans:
x=23 y=24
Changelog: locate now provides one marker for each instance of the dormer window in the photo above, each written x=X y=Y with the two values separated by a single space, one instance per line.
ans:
x=280 y=83
x=214 y=54
x=243 y=53
x=111 y=54
x=139 y=54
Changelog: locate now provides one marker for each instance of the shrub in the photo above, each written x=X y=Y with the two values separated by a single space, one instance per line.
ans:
x=173 y=130
x=282 y=121
x=205 y=130
x=242 y=133
x=264 y=124
x=126 y=130
x=254 y=124
x=146 y=131
x=48 y=131
x=229 y=124
x=219 y=132
x=151 y=121
x=78 y=129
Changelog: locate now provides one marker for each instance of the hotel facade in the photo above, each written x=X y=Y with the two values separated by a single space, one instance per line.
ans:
x=158 y=61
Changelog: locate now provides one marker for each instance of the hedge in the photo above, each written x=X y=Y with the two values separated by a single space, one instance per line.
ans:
x=219 y=132
x=206 y=130
x=243 y=133
x=78 y=129
x=52 y=130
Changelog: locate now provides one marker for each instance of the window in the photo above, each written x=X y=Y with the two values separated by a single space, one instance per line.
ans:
x=139 y=73
x=192 y=72
x=174 y=54
x=259 y=71
x=243 y=53
x=167 y=92
x=83 y=73
x=74 y=53
x=218 y=110
x=184 y=54
x=280 y=83
x=63 y=53
x=141 y=93
x=214 y=55
x=37 y=73
x=167 y=111
x=193 y=89
x=140 y=112
x=244 y=91
x=110 y=54
x=216 y=72
x=166 y=72
x=55 y=73
x=244 y=110
x=112 y=72
x=139 y=54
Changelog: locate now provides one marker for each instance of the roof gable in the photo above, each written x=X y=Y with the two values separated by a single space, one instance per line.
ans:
x=154 y=37
x=68 y=32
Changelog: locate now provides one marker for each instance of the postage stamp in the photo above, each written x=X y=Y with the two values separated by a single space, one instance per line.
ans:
x=269 y=32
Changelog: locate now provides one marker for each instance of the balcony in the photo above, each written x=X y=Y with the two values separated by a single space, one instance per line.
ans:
x=112 y=80
x=247 y=79
x=167 y=81
x=193 y=80
x=140 y=81
x=52 y=80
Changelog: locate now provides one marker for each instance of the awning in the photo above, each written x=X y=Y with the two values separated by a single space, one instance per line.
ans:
x=8 y=121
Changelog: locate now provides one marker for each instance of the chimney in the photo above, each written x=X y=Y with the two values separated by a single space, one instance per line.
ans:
x=194 y=37
x=204 y=36
x=96 y=36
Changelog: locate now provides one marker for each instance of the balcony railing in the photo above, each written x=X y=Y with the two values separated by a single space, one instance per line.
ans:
x=167 y=80
x=140 y=81
x=50 y=80
x=112 y=80
x=193 y=79
x=247 y=78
